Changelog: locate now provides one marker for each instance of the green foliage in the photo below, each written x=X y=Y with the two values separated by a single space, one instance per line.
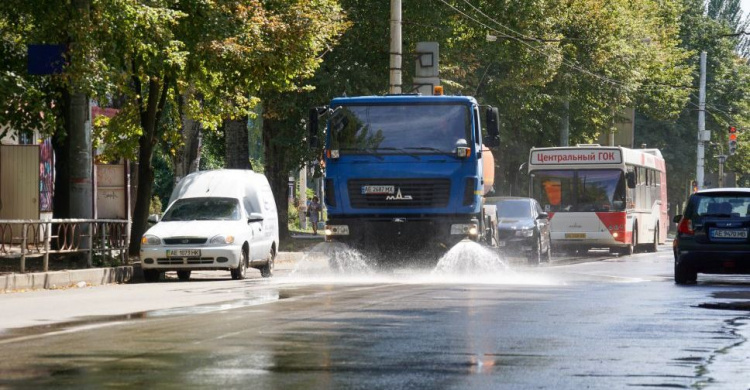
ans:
x=156 y=206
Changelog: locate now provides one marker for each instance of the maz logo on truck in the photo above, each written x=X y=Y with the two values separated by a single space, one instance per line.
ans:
x=398 y=196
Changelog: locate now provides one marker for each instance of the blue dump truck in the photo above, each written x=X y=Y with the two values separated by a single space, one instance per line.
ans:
x=406 y=175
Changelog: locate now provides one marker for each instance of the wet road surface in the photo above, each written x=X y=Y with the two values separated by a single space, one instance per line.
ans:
x=473 y=322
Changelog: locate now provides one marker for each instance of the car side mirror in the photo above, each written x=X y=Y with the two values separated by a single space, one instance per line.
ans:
x=312 y=128
x=255 y=217
x=542 y=216
x=630 y=177
x=153 y=218
x=677 y=218
x=492 y=118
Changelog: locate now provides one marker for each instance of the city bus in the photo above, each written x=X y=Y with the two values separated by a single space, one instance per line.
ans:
x=601 y=196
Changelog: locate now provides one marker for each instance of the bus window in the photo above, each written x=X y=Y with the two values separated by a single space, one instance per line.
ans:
x=554 y=190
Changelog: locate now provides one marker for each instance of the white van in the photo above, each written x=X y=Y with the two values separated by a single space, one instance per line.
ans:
x=216 y=220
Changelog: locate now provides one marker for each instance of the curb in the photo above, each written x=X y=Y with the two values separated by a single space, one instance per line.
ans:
x=65 y=279
x=92 y=276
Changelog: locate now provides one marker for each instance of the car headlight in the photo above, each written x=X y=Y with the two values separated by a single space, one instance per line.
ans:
x=221 y=239
x=150 y=239
x=525 y=233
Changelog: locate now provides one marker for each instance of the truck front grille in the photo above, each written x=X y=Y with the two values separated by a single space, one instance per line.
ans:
x=408 y=193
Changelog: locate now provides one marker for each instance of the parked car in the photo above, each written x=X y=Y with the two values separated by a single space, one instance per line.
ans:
x=215 y=220
x=712 y=234
x=522 y=228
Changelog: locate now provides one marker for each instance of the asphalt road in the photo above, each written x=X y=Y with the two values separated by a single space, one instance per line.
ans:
x=475 y=321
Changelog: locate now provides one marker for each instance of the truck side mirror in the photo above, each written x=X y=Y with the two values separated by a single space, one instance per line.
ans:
x=312 y=128
x=492 y=118
x=630 y=177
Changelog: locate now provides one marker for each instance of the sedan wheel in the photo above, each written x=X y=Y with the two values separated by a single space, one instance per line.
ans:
x=240 y=272
x=535 y=257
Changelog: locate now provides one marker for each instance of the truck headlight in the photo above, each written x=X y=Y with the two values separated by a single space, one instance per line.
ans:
x=469 y=229
x=337 y=230
x=221 y=239
x=150 y=240
x=525 y=233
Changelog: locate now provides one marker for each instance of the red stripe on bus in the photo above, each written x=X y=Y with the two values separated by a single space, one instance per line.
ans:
x=615 y=222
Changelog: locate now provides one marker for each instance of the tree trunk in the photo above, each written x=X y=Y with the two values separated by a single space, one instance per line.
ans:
x=277 y=173
x=149 y=119
x=187 y=157
x=236 y=142
x=61 y=144
x=143 y=193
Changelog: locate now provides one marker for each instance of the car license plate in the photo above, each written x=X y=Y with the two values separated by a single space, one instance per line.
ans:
x=575 y=235
x=183 y=252
x=728 y=233
x=378 y=190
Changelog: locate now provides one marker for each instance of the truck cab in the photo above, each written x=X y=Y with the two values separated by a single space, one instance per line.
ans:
x=405 y=172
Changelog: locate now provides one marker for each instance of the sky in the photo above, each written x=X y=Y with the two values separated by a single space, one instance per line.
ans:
x=745 y=7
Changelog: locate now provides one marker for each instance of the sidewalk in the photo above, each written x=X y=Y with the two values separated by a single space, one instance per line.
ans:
x=18 y=282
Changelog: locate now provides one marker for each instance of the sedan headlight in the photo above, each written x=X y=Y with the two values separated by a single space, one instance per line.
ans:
x=221 y=240
x=525 y=233
x=149 y=240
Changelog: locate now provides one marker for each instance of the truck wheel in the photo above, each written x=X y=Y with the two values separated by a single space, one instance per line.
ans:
x=183 y=275
x=266 y=271
x=240 y=272
x=151 y=275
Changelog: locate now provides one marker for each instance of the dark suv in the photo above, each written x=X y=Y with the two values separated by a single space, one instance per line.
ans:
x=712 y=235
x=522 y=228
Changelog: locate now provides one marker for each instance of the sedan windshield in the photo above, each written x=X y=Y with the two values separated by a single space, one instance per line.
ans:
x=513 y=209
x=203 y=209
x=580 y=190
x=411 y=128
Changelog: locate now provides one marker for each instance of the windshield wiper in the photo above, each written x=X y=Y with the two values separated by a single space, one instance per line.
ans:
x=402 y=150
x=430 y=148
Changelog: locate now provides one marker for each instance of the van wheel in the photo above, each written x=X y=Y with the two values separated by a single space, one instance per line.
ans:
x=266 y=271
x=240 y=272
x=184 y=275
x=151 y=275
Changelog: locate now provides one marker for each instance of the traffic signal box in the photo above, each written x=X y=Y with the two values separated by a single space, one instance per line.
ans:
x=732 y=140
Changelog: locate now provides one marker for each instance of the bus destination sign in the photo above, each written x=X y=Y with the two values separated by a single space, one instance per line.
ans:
x=576 y=156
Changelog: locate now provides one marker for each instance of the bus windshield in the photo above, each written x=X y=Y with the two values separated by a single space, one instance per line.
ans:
x=580 y=190
x=405 y=128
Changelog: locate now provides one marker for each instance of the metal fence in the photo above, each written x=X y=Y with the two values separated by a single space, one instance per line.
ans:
x=36 y=238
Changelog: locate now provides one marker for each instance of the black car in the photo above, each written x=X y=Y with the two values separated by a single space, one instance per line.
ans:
x=712 y=234
x=522 y=228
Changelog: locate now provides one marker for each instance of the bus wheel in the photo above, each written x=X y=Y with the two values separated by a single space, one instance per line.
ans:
x=655 y=245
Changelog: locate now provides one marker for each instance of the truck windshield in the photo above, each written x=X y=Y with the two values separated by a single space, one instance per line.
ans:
x=203 y=209
x=404 y=128
x=580 y=190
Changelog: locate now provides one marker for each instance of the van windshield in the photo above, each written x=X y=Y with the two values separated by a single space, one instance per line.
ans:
x=203 y=209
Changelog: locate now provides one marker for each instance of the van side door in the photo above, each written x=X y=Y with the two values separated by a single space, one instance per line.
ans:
x=254 y=230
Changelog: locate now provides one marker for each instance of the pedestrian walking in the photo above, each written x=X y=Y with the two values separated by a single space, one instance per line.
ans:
x=314 y=213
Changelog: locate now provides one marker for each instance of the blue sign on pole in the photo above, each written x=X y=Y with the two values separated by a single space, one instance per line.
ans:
x=46 y=59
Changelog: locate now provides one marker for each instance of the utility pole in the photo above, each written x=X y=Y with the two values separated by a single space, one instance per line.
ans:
x=702 y=138
x=565 y=122
x=395 y=70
